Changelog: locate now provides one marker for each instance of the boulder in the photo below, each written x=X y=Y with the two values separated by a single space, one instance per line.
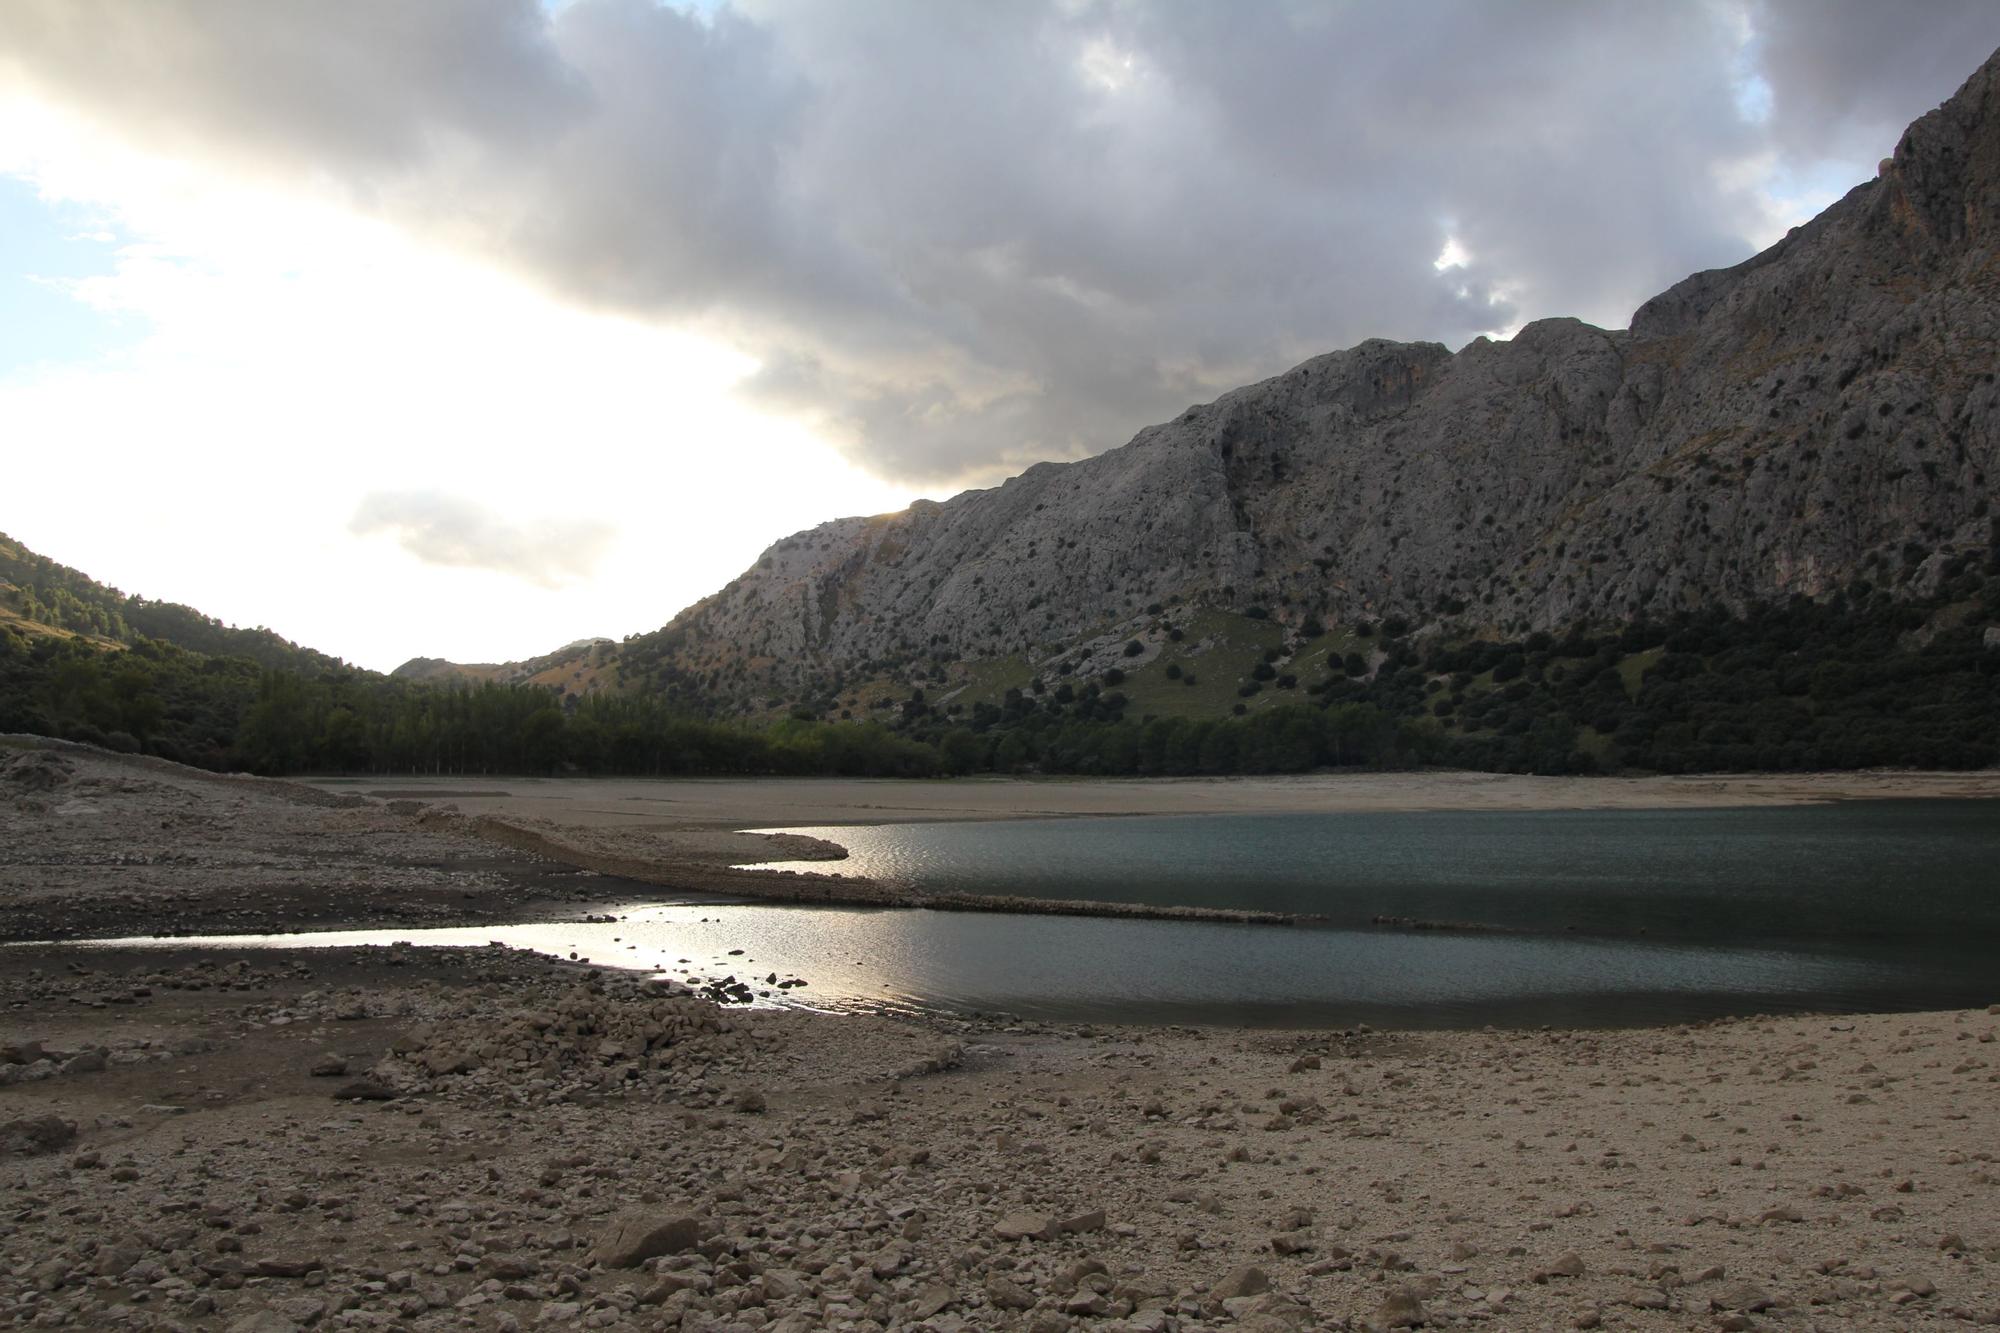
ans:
x=1401 y=1308
x=36 y=1135
x=633 y=1238
x=1026 y=1226
x=1246 y=1281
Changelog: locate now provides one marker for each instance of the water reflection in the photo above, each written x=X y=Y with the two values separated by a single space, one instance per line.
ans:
x=1918 y=871
x=1153 y=971
x=1603 y=917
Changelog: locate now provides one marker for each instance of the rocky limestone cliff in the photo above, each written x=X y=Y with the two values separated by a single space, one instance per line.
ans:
x=1822 y=412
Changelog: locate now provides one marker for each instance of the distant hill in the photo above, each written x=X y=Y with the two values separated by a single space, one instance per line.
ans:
x=579 y=668
x=40 y=597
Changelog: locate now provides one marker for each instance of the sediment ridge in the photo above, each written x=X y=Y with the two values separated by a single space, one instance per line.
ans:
x=797 y=886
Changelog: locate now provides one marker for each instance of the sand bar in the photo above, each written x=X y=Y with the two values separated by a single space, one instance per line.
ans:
x=734 y=803
x=688 y=835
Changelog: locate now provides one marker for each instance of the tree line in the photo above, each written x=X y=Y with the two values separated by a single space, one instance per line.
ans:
x=1860 y=679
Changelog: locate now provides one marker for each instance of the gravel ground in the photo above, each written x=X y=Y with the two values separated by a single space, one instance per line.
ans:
x=485 y=1139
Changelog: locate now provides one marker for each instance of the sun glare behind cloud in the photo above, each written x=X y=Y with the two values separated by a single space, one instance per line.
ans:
x=301 y=359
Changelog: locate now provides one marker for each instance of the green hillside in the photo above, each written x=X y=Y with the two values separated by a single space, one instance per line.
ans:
x=35 y=591
x=1861 y=679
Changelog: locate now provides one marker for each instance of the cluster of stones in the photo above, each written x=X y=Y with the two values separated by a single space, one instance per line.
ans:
x=32 y=1061
x=592 y=1039
x=95 y=989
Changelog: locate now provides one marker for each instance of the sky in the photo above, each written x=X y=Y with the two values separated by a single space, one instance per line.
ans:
x=473 y=327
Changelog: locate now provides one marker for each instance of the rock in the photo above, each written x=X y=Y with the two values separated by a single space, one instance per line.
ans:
x=931 y=1300
x=1026 y=1226
x=1087 y=1305
x=507 y=1267
x=37 y=770
x=1090 y=1221
x=1401 y=1308
x=1246 y=1281
x=328 y=1066
x=1303 y=1063
x=1006 y=1294
x=303 y=1310
x=666 y=1286
x=366 y=1090
x=634 y=1237
x=1569 y=1264
x=1742 y=1296
x=264 y=1321
x=86 y=1062
x=39 y=1134
x=750 y=1101
x=294 y=1267
x=22 y=1053
x=113 y=1260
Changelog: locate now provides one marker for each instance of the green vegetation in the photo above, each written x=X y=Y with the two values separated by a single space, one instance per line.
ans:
x=1858 y=680
x=39 y=590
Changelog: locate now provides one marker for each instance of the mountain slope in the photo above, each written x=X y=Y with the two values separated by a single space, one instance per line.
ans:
x=40 y=597
x=1822 y=413
x=574 y=668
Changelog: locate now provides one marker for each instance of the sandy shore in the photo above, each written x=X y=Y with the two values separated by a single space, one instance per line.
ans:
x=799 y=1173
x=725 y=803
x=484 y=1139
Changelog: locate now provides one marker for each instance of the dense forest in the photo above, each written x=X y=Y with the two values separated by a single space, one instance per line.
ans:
x=1858 y=680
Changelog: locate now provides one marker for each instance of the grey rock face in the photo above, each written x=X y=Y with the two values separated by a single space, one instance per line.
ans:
x=1826 y=410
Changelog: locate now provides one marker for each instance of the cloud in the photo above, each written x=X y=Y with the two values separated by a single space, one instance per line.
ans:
x=961 y=236
x=442 y=529
x=1846 y=76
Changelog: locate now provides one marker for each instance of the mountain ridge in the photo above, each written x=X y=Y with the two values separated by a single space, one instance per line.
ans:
x=1821 y=412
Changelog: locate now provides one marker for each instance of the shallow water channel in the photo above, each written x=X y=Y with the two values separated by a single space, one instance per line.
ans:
x=1568 y=917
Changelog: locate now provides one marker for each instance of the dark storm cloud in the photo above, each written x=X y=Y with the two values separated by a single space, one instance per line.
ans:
x=443 y=529
x=1847 y=75
x=971 y=235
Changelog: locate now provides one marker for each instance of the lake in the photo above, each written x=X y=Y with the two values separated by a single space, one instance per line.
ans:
x=1573 y=918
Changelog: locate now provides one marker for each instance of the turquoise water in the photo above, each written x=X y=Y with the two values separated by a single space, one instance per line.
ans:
x=1583 y=918
x=1923 y=871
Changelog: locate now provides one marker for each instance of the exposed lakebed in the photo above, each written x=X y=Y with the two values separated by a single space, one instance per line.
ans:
x=1565 y=917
